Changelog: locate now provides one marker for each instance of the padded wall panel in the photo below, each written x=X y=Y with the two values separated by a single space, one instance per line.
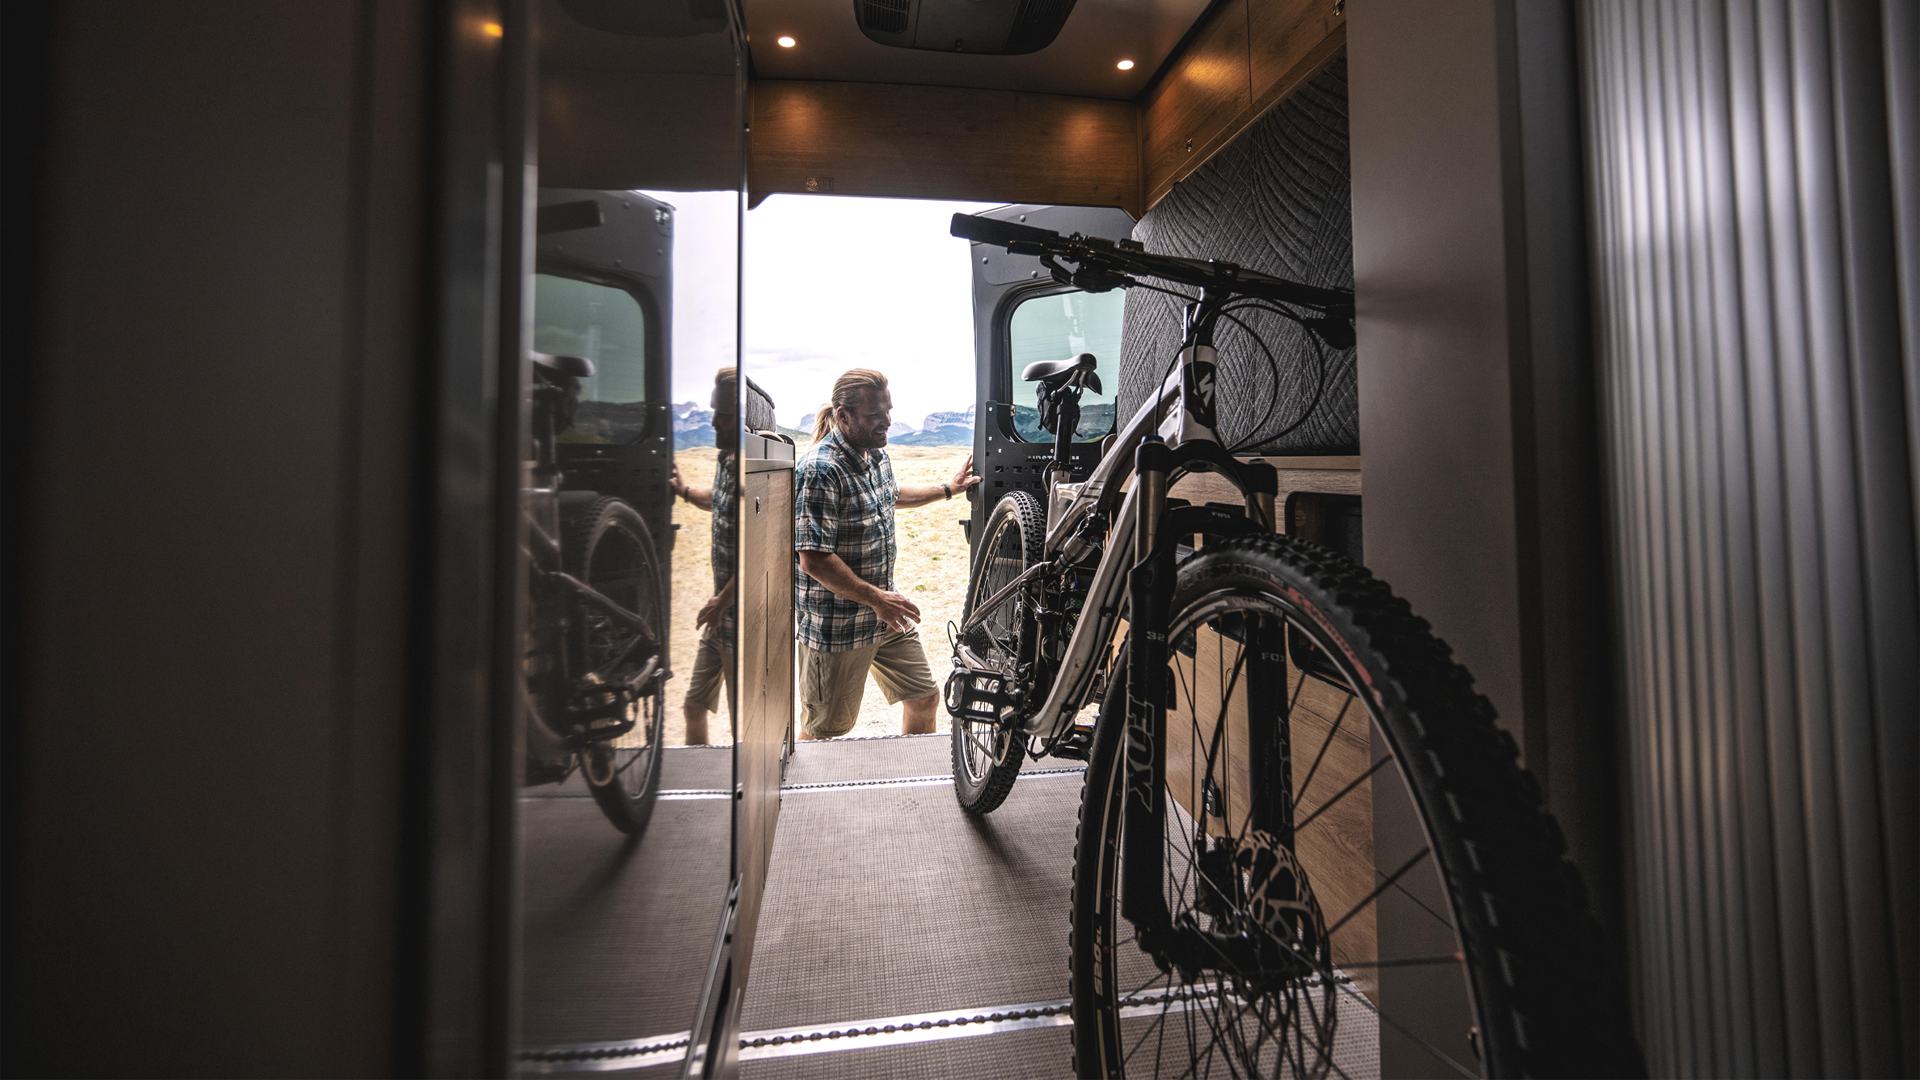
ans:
x=1277 y=199
x=1753 y=236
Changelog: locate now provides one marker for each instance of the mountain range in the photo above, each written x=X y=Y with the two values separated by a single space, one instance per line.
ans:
x=693 y=426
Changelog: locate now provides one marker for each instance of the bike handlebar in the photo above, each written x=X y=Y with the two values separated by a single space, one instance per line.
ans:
x=1103 y=264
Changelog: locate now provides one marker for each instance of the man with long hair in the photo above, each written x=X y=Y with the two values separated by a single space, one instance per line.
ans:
x=713 y=659
x=851 y=619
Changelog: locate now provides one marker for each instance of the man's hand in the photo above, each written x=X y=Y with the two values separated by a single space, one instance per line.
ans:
x=710 y=612
x=830 y=570
x=912 y=495
x=894 y=610
x=964 y=479
x=674 y=483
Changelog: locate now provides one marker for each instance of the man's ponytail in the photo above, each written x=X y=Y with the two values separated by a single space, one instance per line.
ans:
x=846 y=395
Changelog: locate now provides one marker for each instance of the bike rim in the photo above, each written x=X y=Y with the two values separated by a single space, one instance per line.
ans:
x=1004 y=560
x=1385 y=966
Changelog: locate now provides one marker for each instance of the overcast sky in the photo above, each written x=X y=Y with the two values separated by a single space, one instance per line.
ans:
x=831 y=283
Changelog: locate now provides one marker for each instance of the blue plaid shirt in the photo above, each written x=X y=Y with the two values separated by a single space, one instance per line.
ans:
x=843 y=503
x=726 y=533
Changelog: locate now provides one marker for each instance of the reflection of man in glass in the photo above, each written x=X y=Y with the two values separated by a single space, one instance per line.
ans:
x=713 y=663
x=851 y=620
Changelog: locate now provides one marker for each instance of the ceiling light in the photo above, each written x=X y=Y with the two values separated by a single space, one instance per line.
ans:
x=1125 y=65
x=494 y=29
x=786 y=42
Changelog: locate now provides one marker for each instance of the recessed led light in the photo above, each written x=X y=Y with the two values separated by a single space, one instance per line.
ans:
x=786 y=42
x=1125 y=65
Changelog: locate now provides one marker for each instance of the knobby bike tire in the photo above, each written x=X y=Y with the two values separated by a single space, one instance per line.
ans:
x=610 y=548
x=1015 y=534
x=1524 y=988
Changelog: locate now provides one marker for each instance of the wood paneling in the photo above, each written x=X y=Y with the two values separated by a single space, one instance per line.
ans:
x=1336 y=849
x=766 y=681
x=1288 y=40
x=616 y=130
x=1248 y=56
x=1189 y=113
x=936 y=142
x=1330 y=475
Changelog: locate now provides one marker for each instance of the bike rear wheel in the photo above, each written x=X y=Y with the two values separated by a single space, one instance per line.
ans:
x=613 y=552
x=1354 y=863
x=987 y=754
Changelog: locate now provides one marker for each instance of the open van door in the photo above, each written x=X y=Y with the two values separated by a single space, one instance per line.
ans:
x=603 y=289
x=1020 y=314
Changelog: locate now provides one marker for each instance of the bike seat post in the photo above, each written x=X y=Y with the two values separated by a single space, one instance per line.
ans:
x=1060 y=471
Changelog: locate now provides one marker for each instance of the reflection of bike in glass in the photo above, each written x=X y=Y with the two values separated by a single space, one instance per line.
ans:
x=1240 y=893
x=596 y=662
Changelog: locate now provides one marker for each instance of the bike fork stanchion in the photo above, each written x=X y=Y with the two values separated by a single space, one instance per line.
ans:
x=1143 y=902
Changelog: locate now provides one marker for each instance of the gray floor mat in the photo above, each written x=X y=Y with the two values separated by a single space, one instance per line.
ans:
x=841 y=760
x=617 y=932
x=886 y=901
x=685 y=768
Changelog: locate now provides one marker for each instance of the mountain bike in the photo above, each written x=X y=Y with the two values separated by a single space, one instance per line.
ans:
x=1299 y=820
x=595 y=664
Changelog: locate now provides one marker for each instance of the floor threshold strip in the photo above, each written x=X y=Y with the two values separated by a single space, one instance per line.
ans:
x=686 y=794
x=858 y=1035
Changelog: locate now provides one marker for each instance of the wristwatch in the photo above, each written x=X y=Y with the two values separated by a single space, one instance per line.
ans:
x=948 y=488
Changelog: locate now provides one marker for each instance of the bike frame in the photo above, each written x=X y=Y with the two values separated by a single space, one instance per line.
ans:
x=1179 y=418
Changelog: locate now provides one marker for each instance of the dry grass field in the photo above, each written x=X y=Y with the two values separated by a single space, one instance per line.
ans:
x=931 y=570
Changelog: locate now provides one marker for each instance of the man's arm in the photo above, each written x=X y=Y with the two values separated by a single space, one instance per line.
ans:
x=912 y=495
x=715 y=606
x=700 y=497
x=832 y=571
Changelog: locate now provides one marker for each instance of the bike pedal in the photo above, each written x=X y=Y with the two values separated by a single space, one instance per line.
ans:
x=1077 y=744
x=980 y=696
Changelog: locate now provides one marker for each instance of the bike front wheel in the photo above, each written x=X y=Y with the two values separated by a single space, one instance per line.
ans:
x=612 y=551
x=987 y=752
x=1356 y=874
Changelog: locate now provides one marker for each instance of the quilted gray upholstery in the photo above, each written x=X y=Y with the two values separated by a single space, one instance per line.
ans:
x=1277 y=199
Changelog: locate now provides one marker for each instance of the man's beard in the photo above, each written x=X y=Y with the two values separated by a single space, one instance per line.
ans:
x=866 y=440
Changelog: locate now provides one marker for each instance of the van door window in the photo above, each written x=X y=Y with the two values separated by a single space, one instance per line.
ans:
x=607 y=326
x=1058 y=326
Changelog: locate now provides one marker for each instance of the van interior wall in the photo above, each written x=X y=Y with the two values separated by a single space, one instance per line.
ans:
x=1276 y=199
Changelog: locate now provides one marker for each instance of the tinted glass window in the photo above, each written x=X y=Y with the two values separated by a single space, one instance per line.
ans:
x=1059 y=327
x=607 y=326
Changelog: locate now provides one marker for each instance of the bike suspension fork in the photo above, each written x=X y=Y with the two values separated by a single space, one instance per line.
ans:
x=1150 y=589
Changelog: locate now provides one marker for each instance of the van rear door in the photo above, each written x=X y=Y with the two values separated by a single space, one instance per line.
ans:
x=1020 y=314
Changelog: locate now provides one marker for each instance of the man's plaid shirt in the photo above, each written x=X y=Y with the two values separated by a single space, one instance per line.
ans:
x=726 y=534
x=843 y=503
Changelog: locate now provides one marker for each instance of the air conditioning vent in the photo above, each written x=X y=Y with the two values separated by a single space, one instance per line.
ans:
x=986 y=27
x=884 y=16
x=1036 y=24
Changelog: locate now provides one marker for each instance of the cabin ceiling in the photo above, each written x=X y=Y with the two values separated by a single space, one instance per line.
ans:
x=1081 y=62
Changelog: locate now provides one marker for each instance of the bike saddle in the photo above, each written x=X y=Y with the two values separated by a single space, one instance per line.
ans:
x=1057 y=371
x=577 y=366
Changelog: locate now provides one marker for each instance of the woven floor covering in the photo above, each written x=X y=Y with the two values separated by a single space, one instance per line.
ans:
x=885 y=901
x=618 y=932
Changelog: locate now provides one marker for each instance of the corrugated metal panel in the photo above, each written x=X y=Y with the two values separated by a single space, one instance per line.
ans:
x=1753 y=191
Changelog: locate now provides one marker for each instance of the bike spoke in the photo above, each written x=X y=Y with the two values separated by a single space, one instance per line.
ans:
x=1344 y=792
x=1325 y=743
x=1382 y=887
x=1438 y=1053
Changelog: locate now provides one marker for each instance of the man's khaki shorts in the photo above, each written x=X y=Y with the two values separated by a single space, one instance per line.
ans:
x=712 y=669
x=831 y=684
